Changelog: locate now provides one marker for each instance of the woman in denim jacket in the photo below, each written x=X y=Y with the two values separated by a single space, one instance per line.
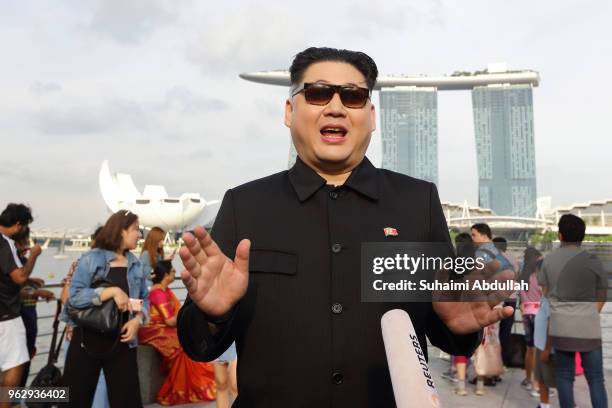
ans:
x=110 y=259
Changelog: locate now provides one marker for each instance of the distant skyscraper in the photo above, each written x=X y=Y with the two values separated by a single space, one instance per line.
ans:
x=409 y=129
x=503 y=125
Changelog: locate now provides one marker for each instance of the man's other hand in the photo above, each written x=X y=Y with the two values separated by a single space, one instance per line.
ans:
x=214 y=282
x=475 y=309
x=469 y=317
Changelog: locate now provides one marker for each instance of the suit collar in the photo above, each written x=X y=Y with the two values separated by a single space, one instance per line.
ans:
x=306 y=181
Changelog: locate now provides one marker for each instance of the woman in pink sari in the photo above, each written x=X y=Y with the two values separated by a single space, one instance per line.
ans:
x=187 y=380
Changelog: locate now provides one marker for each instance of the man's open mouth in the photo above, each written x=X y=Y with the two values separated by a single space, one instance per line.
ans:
x=333 y=131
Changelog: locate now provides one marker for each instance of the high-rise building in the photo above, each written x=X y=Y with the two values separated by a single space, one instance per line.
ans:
x=409 y=129
x=503 y=126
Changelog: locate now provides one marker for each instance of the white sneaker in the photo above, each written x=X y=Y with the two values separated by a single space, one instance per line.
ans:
x=444 y=356
x=526 y=384
x=447 y=375
x=552 y=393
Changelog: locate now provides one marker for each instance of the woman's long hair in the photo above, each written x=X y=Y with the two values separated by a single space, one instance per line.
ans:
x=109 y=237
x=530 y=263
x=151 y=245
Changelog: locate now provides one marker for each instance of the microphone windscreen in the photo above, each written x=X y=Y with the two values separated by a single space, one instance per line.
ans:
x=413 y=384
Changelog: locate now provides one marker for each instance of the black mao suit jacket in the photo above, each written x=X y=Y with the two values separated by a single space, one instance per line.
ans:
x=303 y=337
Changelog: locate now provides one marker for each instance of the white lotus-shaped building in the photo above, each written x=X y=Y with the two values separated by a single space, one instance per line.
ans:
x=153 y=207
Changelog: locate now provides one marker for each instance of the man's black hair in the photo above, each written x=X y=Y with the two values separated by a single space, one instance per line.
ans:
x=309 y=56
x=16 y=213
x=572 y=228
x=500 y=243
x=483 y=228
x=464 y=245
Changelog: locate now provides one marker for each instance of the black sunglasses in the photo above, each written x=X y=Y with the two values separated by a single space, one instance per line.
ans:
x=318 y=93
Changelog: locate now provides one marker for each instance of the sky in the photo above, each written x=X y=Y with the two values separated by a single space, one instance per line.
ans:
x=153 y=87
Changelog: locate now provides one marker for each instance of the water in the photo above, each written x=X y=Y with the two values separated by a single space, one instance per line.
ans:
x=53 y=270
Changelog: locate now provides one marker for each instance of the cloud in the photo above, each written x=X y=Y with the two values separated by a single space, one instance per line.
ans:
x=200 y=154
x=190 y=102
x=378 y=14
x=254 y=38
x=394 y=15
x=16 y=173
x=83 y=120
x=269 y=107
x=130 y=21
x=118 y=114
x=57 y=175
x=41 y=88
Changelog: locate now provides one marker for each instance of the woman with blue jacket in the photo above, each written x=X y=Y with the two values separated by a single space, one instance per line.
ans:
x=88 y=352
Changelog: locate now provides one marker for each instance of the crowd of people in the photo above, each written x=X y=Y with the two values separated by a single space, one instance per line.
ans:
x=560 y=317
x=101 y=369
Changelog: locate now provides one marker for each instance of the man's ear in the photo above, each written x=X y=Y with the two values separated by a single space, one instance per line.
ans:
x=373 y=117
x=288 y=112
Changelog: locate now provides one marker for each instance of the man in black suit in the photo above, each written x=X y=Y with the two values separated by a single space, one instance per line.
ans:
x=281 y=274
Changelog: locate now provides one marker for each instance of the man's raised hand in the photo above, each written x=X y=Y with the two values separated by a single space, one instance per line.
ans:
x=475 y=309
x=214 y=282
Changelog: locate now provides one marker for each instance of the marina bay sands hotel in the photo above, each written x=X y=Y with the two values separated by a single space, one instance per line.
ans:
x=502 y=103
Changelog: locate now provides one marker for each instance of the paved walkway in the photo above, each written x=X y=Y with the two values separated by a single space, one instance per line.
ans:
x=506 y=394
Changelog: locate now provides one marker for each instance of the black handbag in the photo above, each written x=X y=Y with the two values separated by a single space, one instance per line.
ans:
x=516 y=350
x=104 y=319
x=99 y=326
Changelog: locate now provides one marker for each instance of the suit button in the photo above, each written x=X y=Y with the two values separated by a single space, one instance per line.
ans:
x=336 y=248
x=337 y=377
x=337 y=308
x=333 y=195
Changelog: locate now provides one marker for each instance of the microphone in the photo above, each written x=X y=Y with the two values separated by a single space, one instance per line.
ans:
x=413 y=384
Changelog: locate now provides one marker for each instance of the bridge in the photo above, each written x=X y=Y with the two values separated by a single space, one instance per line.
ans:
x=55 y=234
x=500 y=221
x=512 y=228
